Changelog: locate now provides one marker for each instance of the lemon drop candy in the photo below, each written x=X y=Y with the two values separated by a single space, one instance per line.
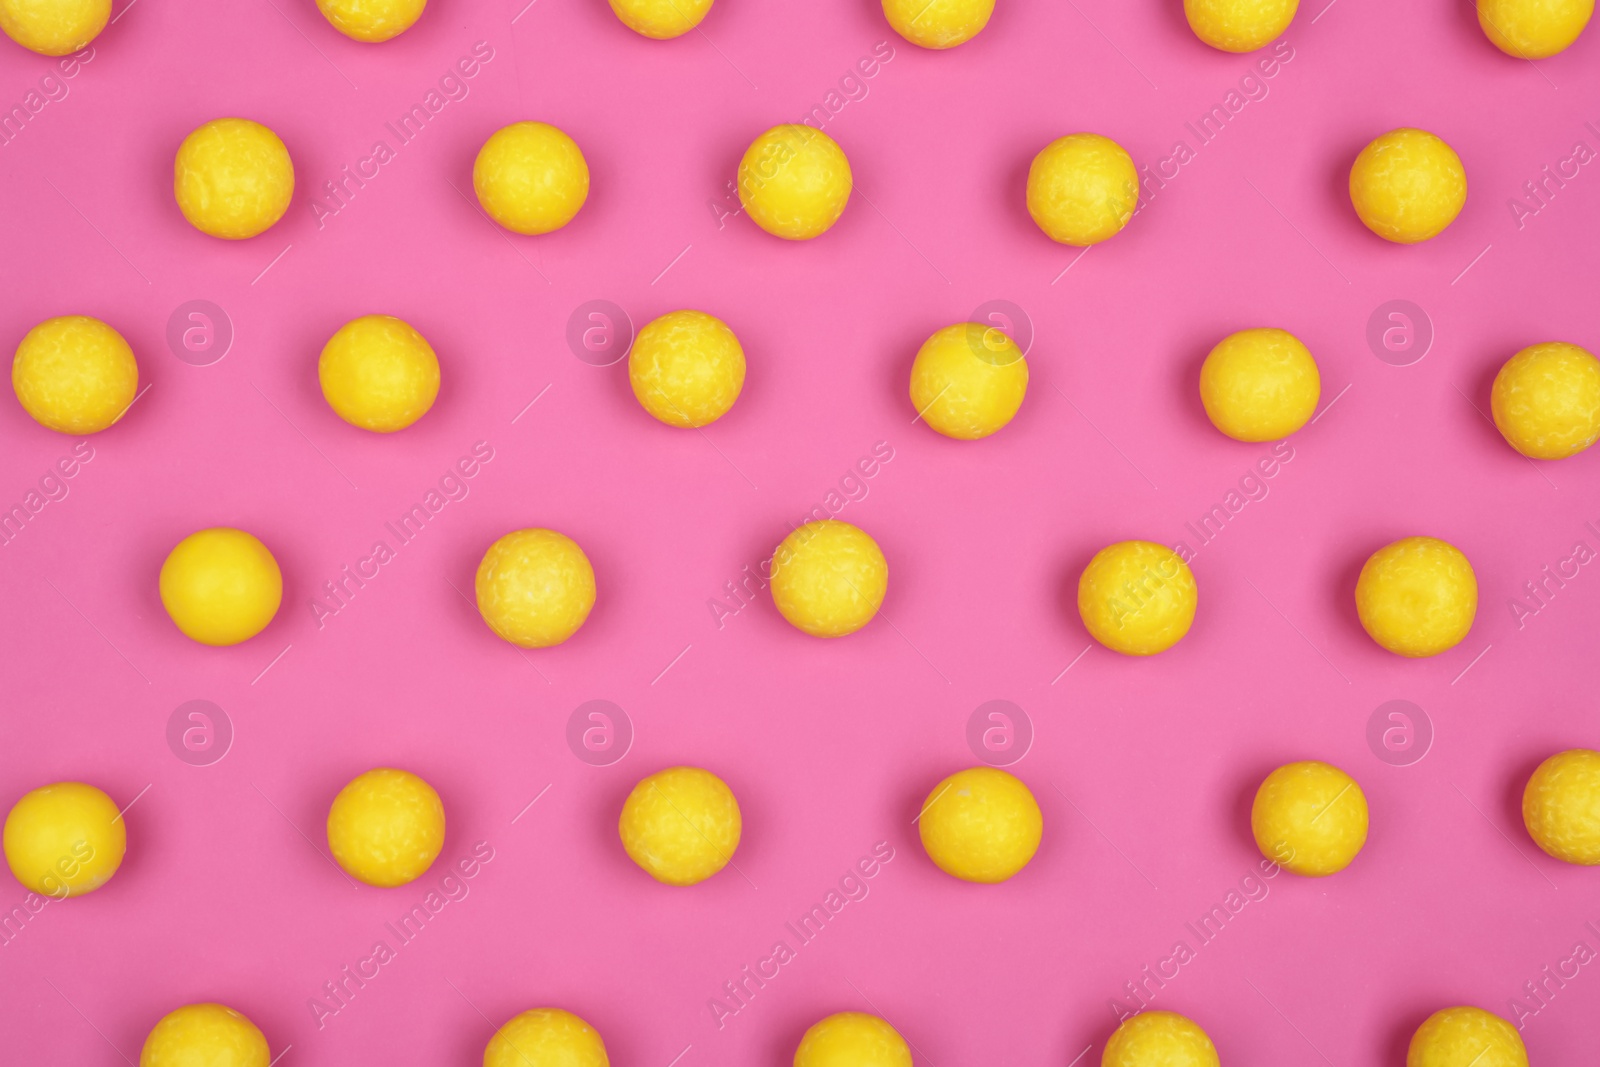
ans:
x=535 y=587
x=372 y=21
x=1309 y=818
x=65 y=840
x=980 y=825
x=1137 y=598
x=1533 y=29
x=794 y=181
x=1159 y=1039
x=386 y=827
x=968 y=380
x=1239 y=25
x=545 y=1037
x=221 y=586
x=661 y=20
x=379 y=373
x=1561 y=806
x=680 y=825
x=74 y=374
x=852 y=1039
x=1407 y=186
x=938 y=23
x=1417 y=596
x=829 y=578
x=54 y=27
x=233 y=178
x=1259 y=385
x=204 y=1035
x=1466 y=1037
x=686 y=368
x=531 y=177
x=1546 y=400
x=1082 y=189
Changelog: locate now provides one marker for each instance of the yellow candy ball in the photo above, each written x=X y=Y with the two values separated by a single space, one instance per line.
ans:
x=1310 y=818
x=1159 y=1039
x=1082 y=189
x=233 y=178
x=546 y=1037
x=372 y=20
x=75 y=374
x=1466 y=1037
x=530 y=177
x=386 y=827
x=1561 y=806
x=794 y=181
x=938 y=23
x=852 y=1039
x=1417 y=596
x=1533 y=29
x=54 y=27
x=65 y=840
x=829 y=578
x=1546 y=400
x=980 y=825
x=221 y=586
x=535 y=588
x=378 y=373
x=968 y=380
x=1407 y=186
x=681 y=825
x=204 y=1035
x=661 y=20
x=1260 y=385
x=686 y=368
x=1137 y=598
x=1239 y=25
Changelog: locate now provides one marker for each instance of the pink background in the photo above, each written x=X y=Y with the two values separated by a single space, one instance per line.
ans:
x=1144 y=769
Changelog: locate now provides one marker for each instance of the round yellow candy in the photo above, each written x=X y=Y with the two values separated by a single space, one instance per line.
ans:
x=1310 y=818
x=1137 y=598
x=75 y=374
x=829 y=578
x=938 y=23
x=65 y=840
x=968 y=380
x=386 y=827
x=530 y=177
x=852 y=1039
x=233 y=178
x=1466 y=1037
x=794 y=181
x=1082 y=189
x=372 y=20
x=681 y=825
x=661 y=19
x=54 y=27
x=1417 y=596
x=546 y=1037
x=980 y=825
x=221 y=586
x=204 y=1035
x=1259 y=385
x=1533 y=29
x=1239 y=25
x=1159 y=1039
x=378 y=373
x=1561 y=806
x=535 y=588
x=1407 y=186
x=1546 y=400
x=686 y=368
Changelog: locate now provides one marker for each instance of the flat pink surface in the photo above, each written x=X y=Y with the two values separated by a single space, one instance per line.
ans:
x=1144 y=768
